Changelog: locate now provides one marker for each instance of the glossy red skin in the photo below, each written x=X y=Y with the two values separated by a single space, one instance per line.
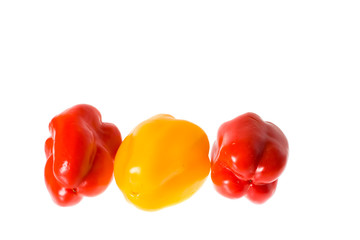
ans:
x=80 y=154
x=248 y=157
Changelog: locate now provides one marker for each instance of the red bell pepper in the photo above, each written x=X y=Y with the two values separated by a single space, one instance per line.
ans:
x=80 y=154
x=248 y=157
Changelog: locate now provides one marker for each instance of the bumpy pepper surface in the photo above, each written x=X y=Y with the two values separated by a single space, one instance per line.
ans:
x=163 y=161
x=248 y=157
x=80 y=154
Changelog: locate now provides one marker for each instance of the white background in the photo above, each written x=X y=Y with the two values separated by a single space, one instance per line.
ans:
x=295 y=63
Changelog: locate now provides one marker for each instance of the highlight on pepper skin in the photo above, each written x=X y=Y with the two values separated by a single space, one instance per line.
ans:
x=248 y=157
x=162 y=162
x=80 y=154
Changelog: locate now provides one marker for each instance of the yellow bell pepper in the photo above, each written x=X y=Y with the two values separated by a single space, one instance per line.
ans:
x=162 y=162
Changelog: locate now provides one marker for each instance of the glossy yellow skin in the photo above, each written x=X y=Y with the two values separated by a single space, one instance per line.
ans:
x=163 y=161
